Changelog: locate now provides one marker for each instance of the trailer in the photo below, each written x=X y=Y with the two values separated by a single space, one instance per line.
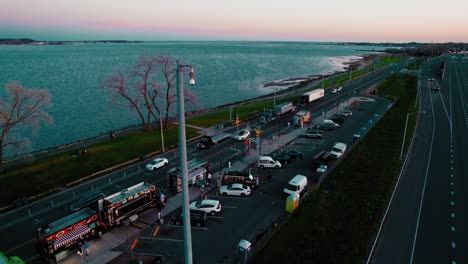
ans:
x=240 y=177
x=65 y=232
x=284 y=108
x=311 y=96
x=209 y=141
x=197 y=169
x=128 y=202
x=301 y=118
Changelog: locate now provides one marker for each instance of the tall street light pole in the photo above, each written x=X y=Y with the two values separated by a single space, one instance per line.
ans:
x=162 y=132
x=183 y=159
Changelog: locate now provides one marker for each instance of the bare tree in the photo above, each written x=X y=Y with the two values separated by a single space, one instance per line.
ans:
x=24 y=107
x=142 y=90
x=137 y=88
x=167 y=70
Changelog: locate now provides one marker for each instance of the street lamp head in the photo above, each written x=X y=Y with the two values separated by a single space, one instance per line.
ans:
x=192 y=76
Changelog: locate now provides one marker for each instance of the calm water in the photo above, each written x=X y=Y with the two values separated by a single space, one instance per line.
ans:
x=225 y=72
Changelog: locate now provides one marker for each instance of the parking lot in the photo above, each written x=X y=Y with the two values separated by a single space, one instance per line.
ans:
x=249 y=217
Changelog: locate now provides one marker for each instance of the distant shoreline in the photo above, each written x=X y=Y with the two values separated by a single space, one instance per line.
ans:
x=15 y=42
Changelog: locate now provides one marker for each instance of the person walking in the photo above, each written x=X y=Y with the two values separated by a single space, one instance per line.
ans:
x=80 y=252
x=208 y=177
x=86 y=247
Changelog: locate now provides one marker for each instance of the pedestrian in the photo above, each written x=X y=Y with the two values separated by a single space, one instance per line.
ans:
x=160 y=218
x=86 y=247
x=80 y=252
x=208 y=177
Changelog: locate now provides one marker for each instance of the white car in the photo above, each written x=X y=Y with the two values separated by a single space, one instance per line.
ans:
x=322 y=168
x=346 y=113
x=235 y=189
x=208 y=206
x=156 y=163
x=242 y=135
x=333 y=91
x=339 y=89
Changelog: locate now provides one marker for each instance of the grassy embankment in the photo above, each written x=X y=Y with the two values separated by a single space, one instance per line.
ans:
x=416 y=65
x=56 y=171
x=337 y=223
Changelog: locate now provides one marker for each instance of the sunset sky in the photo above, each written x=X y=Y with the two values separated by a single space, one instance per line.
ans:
x=294 y=20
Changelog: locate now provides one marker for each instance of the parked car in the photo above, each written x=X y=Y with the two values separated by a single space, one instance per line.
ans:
x=283 y=158
x=235 y=189
x=197 y=218
x=294 y=154
x=334 y=90
x=435 y=87
x=322 y=168
x=156 y=164
x=88 y=200
x=208 y=206
x=267 y=162
x=327 y=125
x=313 y=133
x=346 y=113
x=339 y=119
x=242 y=135
x=339 y=89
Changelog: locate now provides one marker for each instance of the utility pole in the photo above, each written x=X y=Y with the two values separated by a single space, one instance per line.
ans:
x=183 y=159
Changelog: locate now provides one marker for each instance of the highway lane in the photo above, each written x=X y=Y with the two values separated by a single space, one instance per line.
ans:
x=441 y=231
x=17 y=231
x=398 y=232
x=426 y=222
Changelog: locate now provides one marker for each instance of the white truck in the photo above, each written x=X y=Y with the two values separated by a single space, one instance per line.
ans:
x=284 y=108
x=301 y=118
x=338 y=150
x=311 y=96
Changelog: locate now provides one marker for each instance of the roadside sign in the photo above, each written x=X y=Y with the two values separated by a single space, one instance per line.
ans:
x=258 y=132
x=237 y=122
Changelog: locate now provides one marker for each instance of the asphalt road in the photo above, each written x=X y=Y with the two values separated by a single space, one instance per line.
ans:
x=426 y=222
x=17 y=228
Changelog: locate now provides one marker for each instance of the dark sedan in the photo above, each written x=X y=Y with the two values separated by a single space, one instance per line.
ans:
x=283 y=158
x=339 y=119
x=294 y=154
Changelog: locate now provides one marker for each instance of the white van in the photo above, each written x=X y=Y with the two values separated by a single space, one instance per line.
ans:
x=295 y=185
x=338 y=150
x=267 y=162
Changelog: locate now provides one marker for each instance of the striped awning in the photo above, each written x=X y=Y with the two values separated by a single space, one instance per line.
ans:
x=71 y=236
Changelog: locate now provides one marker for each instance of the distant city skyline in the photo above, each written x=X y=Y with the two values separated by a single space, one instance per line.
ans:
x=296 y=20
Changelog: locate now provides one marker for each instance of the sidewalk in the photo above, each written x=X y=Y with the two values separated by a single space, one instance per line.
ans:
x=104 y=250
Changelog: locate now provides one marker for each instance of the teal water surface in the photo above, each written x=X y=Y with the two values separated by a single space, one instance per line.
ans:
x=225 y=72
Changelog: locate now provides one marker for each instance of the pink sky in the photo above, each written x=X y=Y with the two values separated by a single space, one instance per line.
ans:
x=331 y=20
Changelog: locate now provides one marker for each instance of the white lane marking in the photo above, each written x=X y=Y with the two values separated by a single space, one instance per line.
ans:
x=425 y=181
x=452 y=193
x=453 y=245
x=452 y=203
x=193 y=227
x=453 y=228
x=165 y=239
x=216 y=217
x=445 y=109
x=452 y=215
